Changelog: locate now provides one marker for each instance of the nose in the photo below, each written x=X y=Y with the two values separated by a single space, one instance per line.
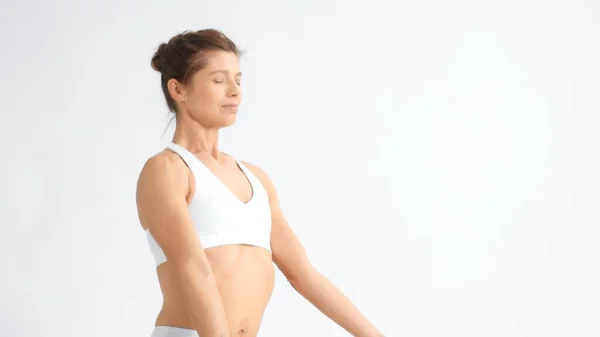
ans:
x=234 y=89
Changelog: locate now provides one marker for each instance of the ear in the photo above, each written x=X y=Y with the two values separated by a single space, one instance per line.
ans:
x=176 y=90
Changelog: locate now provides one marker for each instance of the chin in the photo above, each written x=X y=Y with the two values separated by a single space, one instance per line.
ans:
x=229 y=120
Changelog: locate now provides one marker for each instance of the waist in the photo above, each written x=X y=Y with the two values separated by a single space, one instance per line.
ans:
x=173 y=331
x=244 y=310
x=245 y=278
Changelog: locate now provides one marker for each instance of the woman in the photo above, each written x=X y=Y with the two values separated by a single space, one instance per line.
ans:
x=213 y=223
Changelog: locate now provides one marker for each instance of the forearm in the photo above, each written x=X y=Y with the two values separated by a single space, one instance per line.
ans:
x=203 y=302
x=326 y=297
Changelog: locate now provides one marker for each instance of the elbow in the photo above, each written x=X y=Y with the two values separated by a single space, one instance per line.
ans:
x=296 y=268
x=298 y=278
x=296 y=285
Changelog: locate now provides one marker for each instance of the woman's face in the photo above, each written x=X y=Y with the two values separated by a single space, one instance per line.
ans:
x=213 y=94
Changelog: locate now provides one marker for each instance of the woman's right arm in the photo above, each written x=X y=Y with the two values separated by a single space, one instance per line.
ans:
x=162 y=191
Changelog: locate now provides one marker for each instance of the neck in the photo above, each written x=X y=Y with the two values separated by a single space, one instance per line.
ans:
x=197 y=138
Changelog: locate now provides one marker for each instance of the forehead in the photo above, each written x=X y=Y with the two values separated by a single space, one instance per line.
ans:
x=221 y=60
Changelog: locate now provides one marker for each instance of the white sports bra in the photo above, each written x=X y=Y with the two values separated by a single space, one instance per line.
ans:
x=220 y=217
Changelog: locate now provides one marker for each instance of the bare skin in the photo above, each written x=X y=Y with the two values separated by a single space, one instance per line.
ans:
x=223 y=291
x=244 y=274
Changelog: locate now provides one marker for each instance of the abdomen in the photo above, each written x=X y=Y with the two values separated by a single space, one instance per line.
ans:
x=245 y=279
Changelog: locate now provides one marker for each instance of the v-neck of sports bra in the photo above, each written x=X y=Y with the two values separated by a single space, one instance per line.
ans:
x=218 y=180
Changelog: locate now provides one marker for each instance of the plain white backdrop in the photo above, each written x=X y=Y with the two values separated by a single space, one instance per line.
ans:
x=439 y=160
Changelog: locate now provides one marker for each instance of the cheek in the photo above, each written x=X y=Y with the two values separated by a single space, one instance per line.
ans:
x=212 y=94
x=206 y=97
x=217 y=92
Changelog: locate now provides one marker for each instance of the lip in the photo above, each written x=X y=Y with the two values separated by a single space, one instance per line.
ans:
x=230 y=106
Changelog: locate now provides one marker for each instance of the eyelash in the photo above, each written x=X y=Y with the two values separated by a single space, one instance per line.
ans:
x=217 y=81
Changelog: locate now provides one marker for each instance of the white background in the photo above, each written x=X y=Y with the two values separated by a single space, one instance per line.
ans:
x=438 y=159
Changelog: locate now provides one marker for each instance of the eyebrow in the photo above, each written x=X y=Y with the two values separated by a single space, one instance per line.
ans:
x=226 y=72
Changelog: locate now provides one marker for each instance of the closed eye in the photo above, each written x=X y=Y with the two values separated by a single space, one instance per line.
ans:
x=219 y=80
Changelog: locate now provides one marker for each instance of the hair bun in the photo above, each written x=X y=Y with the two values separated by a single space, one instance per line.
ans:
x=158 y=58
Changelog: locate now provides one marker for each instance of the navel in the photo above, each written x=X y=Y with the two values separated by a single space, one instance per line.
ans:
x=243 y=327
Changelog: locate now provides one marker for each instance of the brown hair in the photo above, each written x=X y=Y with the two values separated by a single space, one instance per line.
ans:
x=185 y=54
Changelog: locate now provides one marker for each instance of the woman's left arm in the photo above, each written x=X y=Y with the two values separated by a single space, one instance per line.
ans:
x=290 y=257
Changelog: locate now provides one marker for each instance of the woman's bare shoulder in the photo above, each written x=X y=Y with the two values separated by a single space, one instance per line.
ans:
x=163 y=176
x=162 y=165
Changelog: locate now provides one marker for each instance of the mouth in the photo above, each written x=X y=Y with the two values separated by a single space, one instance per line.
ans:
x=230 y=108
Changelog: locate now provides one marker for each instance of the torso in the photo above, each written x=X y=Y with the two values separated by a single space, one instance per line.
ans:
x=244 y=273
x=245 y=278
